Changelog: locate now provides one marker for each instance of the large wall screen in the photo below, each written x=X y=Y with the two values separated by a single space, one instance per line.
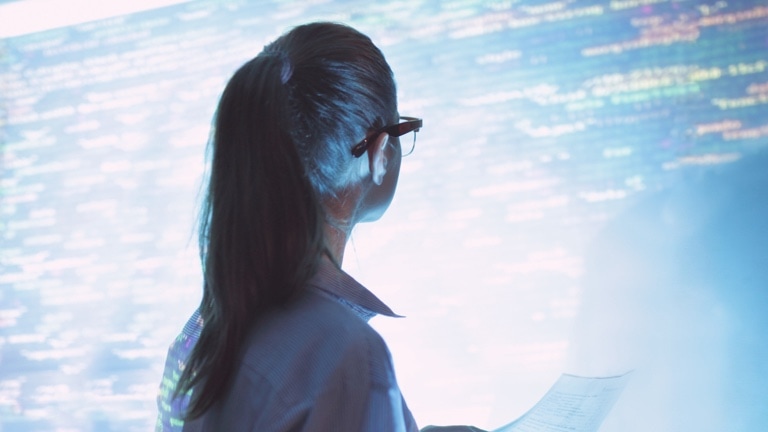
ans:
x=542 y=120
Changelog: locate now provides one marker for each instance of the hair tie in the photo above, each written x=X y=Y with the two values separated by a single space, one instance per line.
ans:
x=286 y=68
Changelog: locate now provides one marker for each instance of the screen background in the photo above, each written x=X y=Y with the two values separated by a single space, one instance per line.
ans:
x=542 y=120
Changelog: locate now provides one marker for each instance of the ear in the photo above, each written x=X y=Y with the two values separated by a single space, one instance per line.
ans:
x=377 y=159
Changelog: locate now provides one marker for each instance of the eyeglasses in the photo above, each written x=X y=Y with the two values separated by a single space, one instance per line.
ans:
x=406 y=124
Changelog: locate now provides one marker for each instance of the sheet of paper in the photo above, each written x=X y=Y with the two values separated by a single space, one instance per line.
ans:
x=573 y=404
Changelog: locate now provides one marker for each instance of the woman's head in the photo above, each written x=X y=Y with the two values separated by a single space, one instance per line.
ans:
x=282 y=169
x=284 y=132
x=320 y=88
x=338 y=87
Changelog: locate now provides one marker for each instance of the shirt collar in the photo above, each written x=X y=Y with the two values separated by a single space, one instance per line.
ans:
x=338 y=283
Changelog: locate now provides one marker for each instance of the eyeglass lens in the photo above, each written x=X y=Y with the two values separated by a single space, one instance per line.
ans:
x=407 y=144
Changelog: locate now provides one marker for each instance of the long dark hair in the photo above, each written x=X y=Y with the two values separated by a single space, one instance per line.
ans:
x=281 y=144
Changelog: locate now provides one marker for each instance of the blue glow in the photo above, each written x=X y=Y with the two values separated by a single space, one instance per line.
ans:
x=542 y=122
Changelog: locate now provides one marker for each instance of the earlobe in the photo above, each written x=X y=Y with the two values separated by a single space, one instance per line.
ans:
x=377 y=159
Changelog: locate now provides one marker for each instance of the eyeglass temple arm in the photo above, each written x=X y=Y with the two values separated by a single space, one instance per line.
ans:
x=411 y=124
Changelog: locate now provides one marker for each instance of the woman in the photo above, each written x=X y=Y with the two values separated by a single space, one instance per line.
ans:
x=304 y=147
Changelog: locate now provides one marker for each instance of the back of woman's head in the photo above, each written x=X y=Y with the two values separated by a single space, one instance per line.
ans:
x=284 y=129
x=338 y=86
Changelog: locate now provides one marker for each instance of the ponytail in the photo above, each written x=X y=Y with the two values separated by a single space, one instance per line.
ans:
x=261 y=232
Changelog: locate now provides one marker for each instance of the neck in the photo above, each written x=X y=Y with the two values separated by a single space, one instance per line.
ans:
x=336 y=236
x=339 y=220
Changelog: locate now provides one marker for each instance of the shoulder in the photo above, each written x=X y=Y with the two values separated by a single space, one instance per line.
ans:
x=314 y=337
x=313 y=364
x=297 y=358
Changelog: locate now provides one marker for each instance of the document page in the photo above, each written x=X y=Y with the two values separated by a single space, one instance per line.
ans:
x=573 y=404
